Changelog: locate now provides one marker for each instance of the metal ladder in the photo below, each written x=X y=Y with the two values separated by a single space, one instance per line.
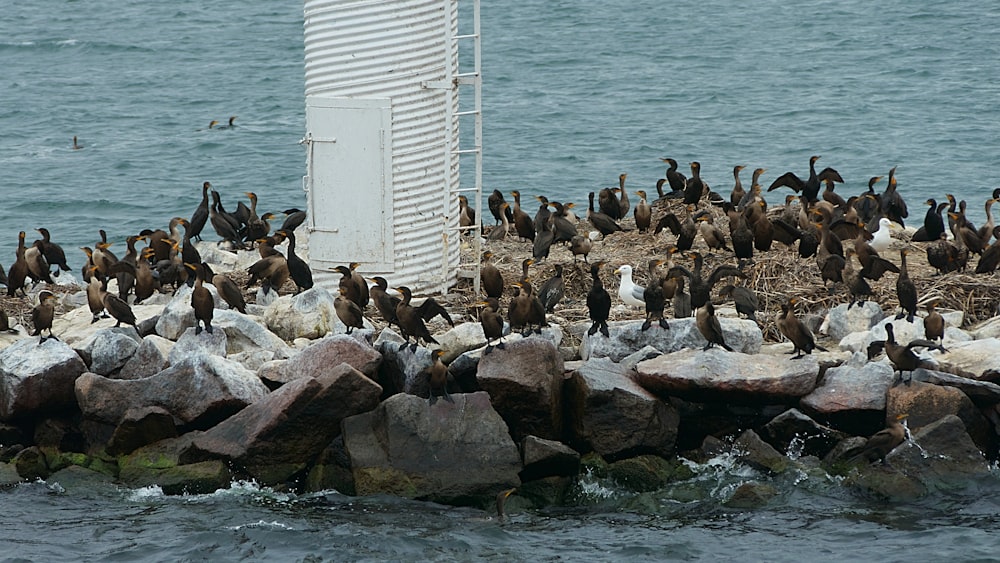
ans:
x=460 y=81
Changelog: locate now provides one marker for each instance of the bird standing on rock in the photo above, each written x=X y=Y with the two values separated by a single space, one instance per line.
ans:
x=793 y=329
x=437 y=379
x=629 y=292
x=882 y=442
x=43 y=314
x=598 y=302
x=709 y=327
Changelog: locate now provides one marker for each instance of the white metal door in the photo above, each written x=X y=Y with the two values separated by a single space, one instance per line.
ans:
x=349 y=182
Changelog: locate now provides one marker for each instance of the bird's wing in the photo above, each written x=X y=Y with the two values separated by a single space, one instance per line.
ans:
x=788 y=180
x=669 y=221
x=830 y=173
x=431 y=308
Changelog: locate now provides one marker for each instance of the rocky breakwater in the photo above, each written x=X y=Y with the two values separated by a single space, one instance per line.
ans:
x=285 y=397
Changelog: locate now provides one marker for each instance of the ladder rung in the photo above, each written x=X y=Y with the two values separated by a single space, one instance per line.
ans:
x=465 y=151
x=466 y=190
x=466 y=74
x=466 y=36
x=467 y=112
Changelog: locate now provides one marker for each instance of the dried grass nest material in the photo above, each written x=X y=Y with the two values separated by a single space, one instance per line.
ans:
x=773 y=275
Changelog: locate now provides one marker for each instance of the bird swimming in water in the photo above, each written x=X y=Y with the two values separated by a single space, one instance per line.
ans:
x=76 y=146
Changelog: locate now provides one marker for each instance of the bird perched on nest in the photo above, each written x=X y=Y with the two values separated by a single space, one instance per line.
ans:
x=629 y=292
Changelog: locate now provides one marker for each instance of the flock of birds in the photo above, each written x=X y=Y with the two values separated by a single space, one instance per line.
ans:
x=847 y=239
x=820 y=224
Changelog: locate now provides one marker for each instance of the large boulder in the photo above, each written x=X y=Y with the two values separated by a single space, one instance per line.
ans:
x=457 y=452
x=322 y=355
x=108 y=349
x=852 y=396
x=205 y=344
x=178 y=315
x=715 y=375
x=309 y=314
x=626 y=337
x=277 y=436
x=946 y=456
x=245 y=333
x=404 y=370
x=139 y=427
x=150 y=358
x=981 y=392
x=525 y=381
x=845 y=319
x=199 y=392
x=904 y=332
x=547 y=458
x=795 y=434
x=75 y=326
x=925 y=403
x=37 y=378
x=975 y=359
x=611 y=414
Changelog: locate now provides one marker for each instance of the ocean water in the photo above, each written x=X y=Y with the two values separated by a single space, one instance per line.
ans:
x=575 y=93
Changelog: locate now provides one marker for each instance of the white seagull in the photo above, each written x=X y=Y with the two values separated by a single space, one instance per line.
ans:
x=630 y=293
x=882 y=238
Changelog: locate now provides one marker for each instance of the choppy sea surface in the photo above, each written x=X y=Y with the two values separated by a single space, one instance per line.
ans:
x=575 y=93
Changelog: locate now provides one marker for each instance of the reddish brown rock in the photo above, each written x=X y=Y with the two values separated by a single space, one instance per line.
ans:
x=525 y=381
x=715 y=375
x=277 y=436
x=323 y=355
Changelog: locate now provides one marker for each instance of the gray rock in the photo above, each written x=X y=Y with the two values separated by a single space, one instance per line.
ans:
x=757 y=453
x=75 y=326
x=525 y=381
x=853 y=391
x=645 y=353
x=205 y=344
x=448 y=452
x=109 y=349
x=198 y=391
x=615 y=417
x=461 y=339
x=309 y=314
x=403 y=369
x=947 y=456
x=178 y=315
x=245 y=333
x=253 y=360
x=990 y=328
x=275 y=437
x=904 y=331
x=841 y=321
x=794 y=433
x=626 y=338
x=36 y=378
x=139 y=427
x=149 y=358
x=547 y=458
x=976 y=359
x=717 y=375
x=323 y=355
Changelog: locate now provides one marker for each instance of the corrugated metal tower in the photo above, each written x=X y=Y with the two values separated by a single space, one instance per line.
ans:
x=382 y=87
